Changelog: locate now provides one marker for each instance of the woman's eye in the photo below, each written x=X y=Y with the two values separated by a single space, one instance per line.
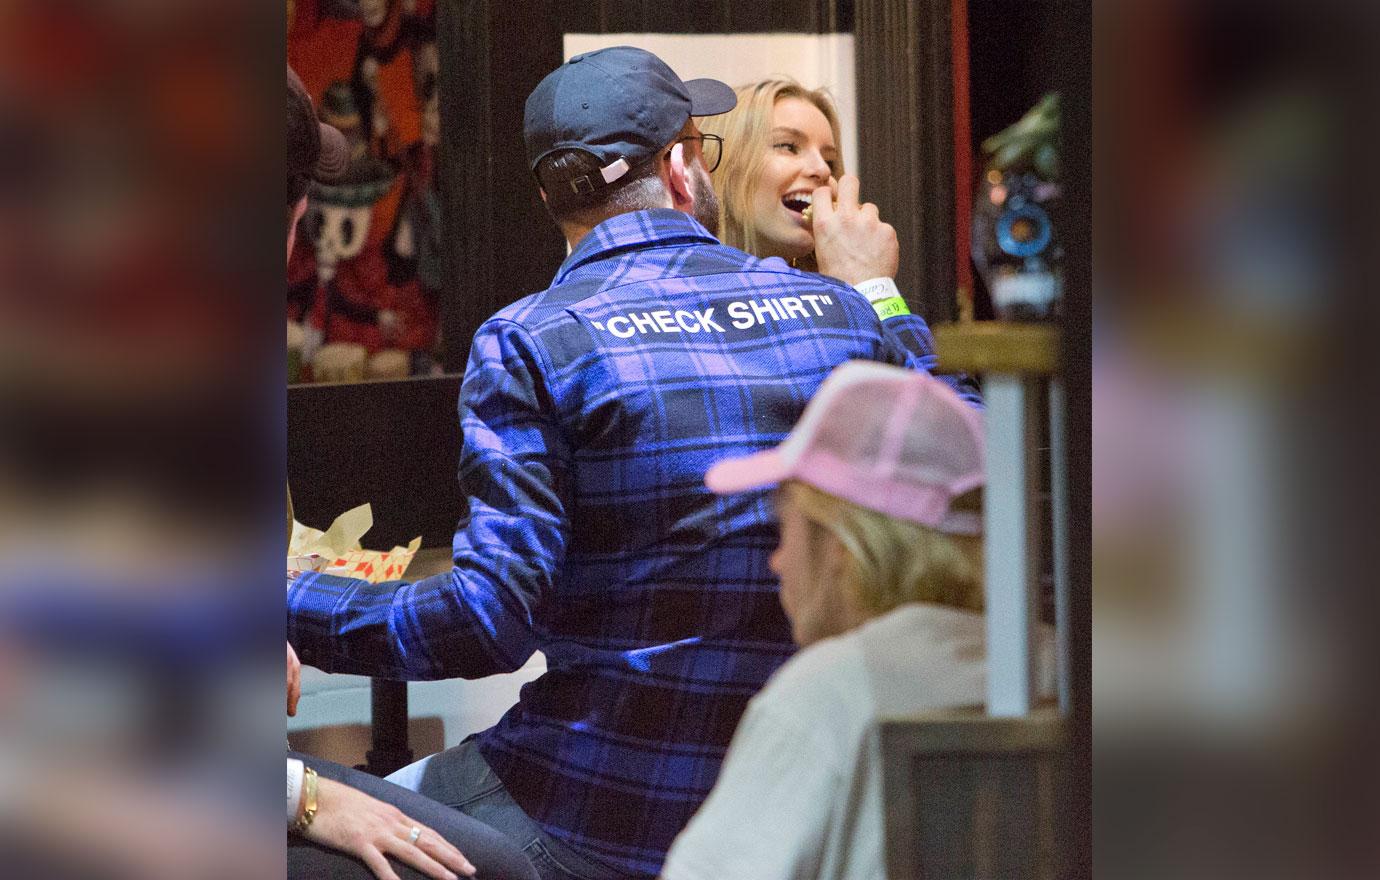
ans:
x=788 y=147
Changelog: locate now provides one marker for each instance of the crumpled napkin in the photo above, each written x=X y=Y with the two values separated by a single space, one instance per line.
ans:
x=337 y=550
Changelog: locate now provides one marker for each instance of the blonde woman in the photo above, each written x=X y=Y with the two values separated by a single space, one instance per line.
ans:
x=783 y=146
x=784 y=193
x=880 y=562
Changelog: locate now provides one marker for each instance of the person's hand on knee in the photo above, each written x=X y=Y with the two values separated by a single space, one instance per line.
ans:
x=372 y=831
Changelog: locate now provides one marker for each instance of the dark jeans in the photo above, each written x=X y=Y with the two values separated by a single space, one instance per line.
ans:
x=461 y=778
x=492 y=854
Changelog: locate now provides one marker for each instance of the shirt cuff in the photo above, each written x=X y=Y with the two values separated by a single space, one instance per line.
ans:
x=886 y=299
x=295 y=771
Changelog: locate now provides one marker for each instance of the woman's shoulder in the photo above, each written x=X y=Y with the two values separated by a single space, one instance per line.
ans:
x=826 y=672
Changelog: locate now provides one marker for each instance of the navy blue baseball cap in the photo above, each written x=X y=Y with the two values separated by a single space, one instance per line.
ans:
x=621 y=105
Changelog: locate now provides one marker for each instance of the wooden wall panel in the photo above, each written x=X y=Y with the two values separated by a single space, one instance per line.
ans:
x=906 y=147
x=654 y=17
x=503 y=243
x=1067 y=34
x=706 y=16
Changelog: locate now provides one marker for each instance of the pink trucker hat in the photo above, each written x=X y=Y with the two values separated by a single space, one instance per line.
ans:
x=891 y=440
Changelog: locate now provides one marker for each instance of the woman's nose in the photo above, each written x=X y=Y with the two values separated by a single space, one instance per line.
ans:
x=817 y=168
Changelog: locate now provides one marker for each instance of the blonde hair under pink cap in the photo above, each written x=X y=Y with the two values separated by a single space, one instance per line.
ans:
x=895 y=441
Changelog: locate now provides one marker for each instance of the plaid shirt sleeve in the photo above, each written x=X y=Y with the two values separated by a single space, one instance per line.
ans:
x=477 y=619
x=912 y=336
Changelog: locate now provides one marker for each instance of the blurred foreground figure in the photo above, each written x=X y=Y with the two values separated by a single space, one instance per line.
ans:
x=879 y=500
x=132 y=430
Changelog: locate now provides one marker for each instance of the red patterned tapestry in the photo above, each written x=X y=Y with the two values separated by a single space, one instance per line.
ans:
x=365 y=276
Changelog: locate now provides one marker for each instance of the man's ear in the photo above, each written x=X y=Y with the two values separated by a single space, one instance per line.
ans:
x=678 y=181
x=543 y=195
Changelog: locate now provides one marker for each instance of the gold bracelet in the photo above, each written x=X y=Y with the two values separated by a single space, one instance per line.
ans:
x=308 y=798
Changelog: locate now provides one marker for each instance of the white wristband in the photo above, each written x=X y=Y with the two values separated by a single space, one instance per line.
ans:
x=294 y=788
x=886 y=300
x=877 y=289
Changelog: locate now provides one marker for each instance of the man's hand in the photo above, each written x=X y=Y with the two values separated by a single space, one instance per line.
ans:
x=294 y=680
x=370 y=830
x=851 y=241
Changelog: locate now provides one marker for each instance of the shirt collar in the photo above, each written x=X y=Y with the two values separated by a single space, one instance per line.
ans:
x=636 y=229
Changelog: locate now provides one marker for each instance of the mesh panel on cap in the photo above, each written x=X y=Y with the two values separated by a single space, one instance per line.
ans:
x=852 y=430
x=894 y=441
x=938 y=448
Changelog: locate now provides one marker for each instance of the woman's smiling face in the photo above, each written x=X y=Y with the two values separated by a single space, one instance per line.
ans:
x=802 y=157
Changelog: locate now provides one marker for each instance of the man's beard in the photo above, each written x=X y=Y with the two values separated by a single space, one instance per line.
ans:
x=706 y=200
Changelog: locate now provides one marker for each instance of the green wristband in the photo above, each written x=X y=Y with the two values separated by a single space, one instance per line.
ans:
x=891 y=307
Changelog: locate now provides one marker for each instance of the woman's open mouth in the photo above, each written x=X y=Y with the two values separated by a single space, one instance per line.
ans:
x=797 y=201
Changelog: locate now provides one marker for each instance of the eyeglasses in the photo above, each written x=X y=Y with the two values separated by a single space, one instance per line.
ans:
x=711 y=148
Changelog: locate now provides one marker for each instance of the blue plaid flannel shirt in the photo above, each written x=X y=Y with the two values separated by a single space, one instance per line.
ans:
x=590 y=413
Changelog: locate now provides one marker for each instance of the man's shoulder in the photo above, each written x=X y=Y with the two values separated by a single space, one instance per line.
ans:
x=651 y=269
x=721 y=282
x=539 y=311
x=785 y=273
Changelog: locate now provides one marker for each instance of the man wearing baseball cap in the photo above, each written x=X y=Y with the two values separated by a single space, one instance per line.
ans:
x=590 y=412
x=878 y=492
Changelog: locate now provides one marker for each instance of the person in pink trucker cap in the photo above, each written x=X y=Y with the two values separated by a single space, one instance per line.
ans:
x=879 y=497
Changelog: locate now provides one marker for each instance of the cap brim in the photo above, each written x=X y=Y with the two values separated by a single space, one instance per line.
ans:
x=334 y=158
x=749 y=472
x=709 y=97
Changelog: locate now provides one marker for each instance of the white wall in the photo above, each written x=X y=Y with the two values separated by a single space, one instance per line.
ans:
x=815 y=60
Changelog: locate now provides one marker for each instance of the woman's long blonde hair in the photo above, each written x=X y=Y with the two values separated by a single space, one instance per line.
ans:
x=892 y=561
x=746 y=130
